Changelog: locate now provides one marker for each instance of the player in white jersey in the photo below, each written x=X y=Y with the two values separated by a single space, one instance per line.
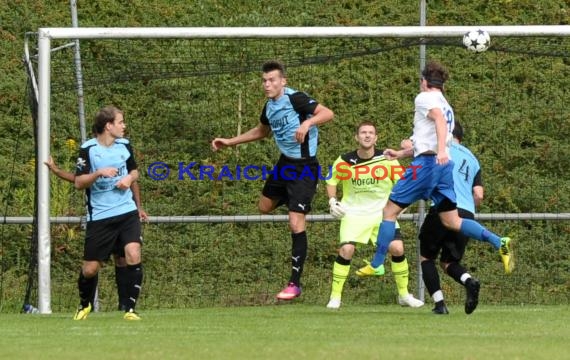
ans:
x=433 y=170
x=366 y=178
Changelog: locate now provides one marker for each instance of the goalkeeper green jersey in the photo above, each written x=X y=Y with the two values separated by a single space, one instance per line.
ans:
x=366 y=183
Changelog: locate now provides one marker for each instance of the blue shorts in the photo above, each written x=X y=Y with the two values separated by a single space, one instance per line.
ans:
x=424 y=179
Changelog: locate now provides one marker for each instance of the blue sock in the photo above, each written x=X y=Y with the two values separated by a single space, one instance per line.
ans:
x=385 y=236
x=476 y=231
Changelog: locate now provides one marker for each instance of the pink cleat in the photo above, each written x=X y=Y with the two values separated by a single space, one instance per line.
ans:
x=290 y=292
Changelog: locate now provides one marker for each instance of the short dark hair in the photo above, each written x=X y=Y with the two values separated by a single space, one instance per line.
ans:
x=435 y=74
x=458 y=131
x=273 y=65
x=104 y=116
x=365 y=123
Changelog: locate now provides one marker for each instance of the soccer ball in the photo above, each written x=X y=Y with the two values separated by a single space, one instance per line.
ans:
x=477 y=40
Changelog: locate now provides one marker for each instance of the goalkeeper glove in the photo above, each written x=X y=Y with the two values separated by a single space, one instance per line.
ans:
x=336 y=209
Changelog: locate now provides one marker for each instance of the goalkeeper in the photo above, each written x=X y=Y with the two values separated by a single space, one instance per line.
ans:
x=367 y=179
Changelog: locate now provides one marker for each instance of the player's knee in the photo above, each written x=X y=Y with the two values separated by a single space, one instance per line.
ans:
x=133 y=253
x=89 y=270
x=451 y=220
x=391 y=211
x=396 y=248
x=346 y=251
x=263 y=209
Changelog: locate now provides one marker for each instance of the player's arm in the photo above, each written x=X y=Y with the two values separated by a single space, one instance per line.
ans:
x=436 y=115
x=64 y=175
x=335 y=207
x=128 y=180
x=314 y=113
x=135 y=188
x=84 y=178
x=392 y=154
x=321 y=115
x=125 y=182
x=478 y=190
x=259 y=132
x=331 y=191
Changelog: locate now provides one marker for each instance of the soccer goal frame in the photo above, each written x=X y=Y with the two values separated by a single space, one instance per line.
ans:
x=46 y=35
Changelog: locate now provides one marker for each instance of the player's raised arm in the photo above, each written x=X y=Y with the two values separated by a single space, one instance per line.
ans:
x=259 y=132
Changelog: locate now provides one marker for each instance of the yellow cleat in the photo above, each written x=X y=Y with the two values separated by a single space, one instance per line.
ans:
x=368 y=270
x=131 y=315
x=82 y=312
x=507 y=256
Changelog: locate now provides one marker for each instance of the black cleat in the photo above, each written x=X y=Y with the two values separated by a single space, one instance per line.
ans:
x=440 y=308
x=472 y=288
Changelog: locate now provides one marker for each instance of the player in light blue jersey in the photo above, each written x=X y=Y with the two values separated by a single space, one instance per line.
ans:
x=106 y=169
x=121 y=275
x=435 y=238
x=433 y=170
x=293 y=118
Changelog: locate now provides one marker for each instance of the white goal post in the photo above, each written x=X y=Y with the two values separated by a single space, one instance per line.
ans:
x=46 y=35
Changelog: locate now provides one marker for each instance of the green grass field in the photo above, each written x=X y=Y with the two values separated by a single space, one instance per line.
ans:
x=293 y=331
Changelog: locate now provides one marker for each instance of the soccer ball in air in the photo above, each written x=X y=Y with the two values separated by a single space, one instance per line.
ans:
x=477 y=40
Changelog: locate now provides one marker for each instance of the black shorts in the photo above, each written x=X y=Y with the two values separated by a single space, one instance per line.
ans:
x=293 y=182
x=434 y=237
x=107 y=236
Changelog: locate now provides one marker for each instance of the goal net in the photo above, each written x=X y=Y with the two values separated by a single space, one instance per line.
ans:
x=205 y=246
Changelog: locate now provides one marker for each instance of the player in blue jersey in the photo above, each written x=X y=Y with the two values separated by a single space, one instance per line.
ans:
x=435 y=238
x=293 y=118
x=121 y=278
x=430 y=175
x=106 y=169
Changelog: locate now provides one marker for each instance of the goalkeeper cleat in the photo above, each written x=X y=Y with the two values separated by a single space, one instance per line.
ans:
x=334 y=303
x=290 y=292
x=472 y=288
x=507 y=256
x=368 y=270
x=440 y=308
x=131 y=315
x=410 y=300
x=82 y=312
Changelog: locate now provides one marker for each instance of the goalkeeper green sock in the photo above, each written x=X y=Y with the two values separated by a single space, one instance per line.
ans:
x=341 y=268
x=401 y=272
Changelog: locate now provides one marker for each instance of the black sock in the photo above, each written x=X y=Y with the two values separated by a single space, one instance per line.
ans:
x=134 y=275
x=87 y=287
x=342 y=261
x=430 y=276
x=298 y=256
x=455 y=270
x=122 y=281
